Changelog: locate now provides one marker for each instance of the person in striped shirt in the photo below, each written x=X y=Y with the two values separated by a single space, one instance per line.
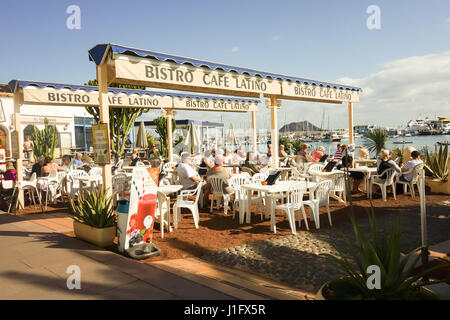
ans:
x=338 y=154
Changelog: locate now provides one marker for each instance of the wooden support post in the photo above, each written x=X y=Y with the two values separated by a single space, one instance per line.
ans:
x=102 y=78
x=274 y=130
x=350 y=123
x=254 y=141
x=18 y=97
x=169 y=117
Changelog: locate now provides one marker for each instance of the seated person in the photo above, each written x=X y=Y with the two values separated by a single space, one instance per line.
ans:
x=154 y=153
x=407 y=177
x=189 y=177
x=283 y=154
x=318 y=154
x=38 y=166
x=240 y=152
x=10 y=173
x=206 y=164
x=217 y=171
x=228 y=156
x=65 y=161
x=363 y=154
x=347 y=162
x=384 y=164
x=78 y=162
x=337 y=157
x=134 y=157
x=49 y=166
x=304 y=154
x=249 y=163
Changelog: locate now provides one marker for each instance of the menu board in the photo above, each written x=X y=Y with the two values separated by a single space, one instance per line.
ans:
x=102 y=154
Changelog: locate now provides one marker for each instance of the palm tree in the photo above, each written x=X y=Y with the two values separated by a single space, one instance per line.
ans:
x=377 y=140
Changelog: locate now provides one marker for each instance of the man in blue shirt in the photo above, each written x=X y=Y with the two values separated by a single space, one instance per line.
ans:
x=78 y=162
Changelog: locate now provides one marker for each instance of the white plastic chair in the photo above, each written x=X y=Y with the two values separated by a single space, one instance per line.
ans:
x=338 y=185
x=30 y=186
x=389 y=180
x=218 y=193
x=73 y=186
x=119 y=185
x=96 y=171
x=295 y=203
x=167 y=169
x=321 y=198
x=240 y=197
x=183 y=202
x=416 y=172
x=163 y=212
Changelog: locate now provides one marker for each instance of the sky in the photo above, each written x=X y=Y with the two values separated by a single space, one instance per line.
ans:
x=403 y=67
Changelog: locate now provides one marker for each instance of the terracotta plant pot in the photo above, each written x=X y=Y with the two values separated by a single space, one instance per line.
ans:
x=101 y=237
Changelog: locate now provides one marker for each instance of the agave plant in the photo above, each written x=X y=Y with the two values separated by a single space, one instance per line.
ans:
x=398 y=280
x=377 y=140
x=94 y=209
x=436 y=164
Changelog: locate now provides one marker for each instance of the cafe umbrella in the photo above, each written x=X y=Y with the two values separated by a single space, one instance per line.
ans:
x=141 y=137
x=192 y=140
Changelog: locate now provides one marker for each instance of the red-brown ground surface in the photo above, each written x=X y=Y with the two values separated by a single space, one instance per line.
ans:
x=218 y=231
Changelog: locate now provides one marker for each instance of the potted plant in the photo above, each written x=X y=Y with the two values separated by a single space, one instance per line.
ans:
x=437 y=168
x=397 y=277
x=94 y=218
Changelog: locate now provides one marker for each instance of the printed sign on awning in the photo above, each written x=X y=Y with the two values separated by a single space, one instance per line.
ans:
x=83 y=98
x=312 y=92
x=214 y=105
x=157 y=73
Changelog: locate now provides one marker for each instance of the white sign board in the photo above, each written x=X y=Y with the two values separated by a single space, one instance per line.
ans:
x=155 y=72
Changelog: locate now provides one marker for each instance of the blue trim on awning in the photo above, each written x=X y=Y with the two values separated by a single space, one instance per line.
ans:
x=97 y=53
x=182 y=122
x=15 y=84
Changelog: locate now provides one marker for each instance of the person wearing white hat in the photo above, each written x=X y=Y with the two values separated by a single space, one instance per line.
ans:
x=188 y=176
x=217 y=171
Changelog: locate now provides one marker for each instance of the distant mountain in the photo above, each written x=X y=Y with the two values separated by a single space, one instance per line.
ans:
x=299 y=126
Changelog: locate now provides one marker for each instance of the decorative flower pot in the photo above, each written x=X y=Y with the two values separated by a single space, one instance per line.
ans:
x=101 y=237
x=438 y=186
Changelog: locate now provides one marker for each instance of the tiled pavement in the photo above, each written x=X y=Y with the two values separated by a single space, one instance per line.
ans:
x=35 y=256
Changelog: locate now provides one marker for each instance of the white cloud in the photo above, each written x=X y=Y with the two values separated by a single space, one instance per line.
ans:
x=448 y=20
x=276 y=37
x=404 y=89
x=235 y=49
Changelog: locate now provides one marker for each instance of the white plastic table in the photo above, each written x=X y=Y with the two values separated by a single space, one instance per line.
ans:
x=279 y=187
x=367 y=171
x=168 y=190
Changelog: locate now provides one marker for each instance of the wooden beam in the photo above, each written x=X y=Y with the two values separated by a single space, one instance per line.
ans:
x=350 y=122
x=102 y=78
x=254 y=141
x=19 y=151
x=169 y=117
x=274 y=130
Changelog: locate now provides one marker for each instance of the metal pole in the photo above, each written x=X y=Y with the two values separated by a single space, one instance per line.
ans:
x=423 y=223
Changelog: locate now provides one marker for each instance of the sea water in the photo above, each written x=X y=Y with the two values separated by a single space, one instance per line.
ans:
x=418 y=142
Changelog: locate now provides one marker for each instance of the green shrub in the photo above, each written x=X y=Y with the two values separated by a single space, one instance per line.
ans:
x=94 y=209
x=436 y=164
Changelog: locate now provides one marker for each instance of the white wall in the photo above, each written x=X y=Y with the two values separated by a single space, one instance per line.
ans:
x=67 y=113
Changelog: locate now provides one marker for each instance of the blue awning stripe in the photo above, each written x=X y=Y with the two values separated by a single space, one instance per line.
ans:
x=97 y=53
x=15 y=84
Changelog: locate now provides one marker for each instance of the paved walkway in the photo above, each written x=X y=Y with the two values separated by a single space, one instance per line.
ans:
x=36 y=254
